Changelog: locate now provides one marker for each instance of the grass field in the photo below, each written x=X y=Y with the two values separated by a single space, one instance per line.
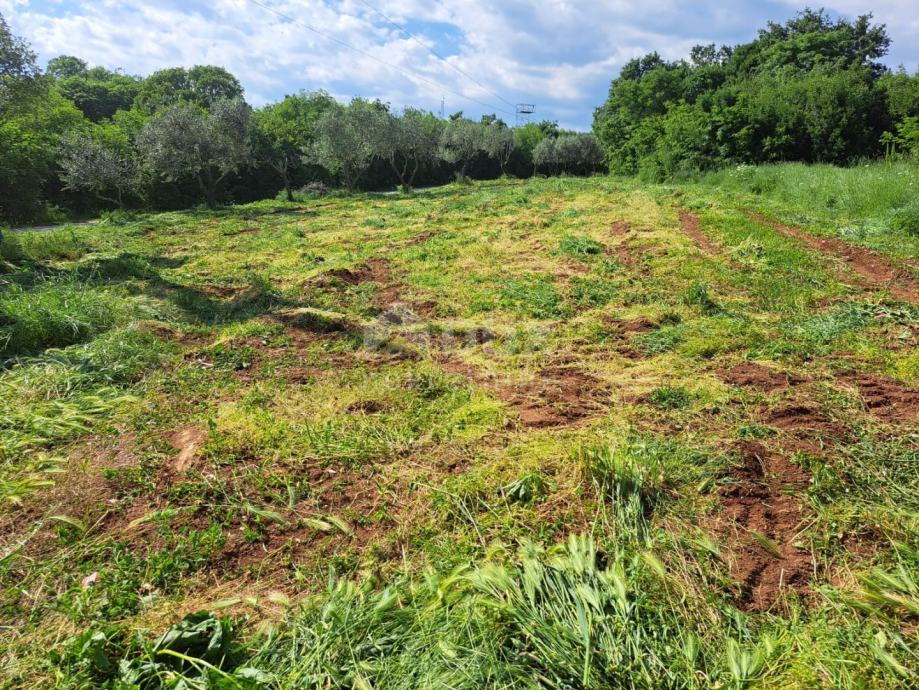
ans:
x=552 y=433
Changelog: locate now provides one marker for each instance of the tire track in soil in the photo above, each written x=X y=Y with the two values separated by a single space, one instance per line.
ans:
x=875 y=269
x=761 y=515
x=764 y=519
x=692 y=227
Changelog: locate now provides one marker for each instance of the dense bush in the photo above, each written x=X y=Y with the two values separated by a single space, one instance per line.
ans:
x=809 y=90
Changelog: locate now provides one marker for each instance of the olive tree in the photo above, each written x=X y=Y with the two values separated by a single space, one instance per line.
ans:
x=499 y=143
x=460 y=142
x=407 y=143
x=99 y=167
x=284 y=129
x=346 y=140
x=545 y=156
x=186 y=141
x=572 y=154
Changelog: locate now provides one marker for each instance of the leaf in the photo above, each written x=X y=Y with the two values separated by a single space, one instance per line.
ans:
x=73 y=522
x=265 y=513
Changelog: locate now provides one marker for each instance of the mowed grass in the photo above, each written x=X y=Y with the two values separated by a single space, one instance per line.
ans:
x=513 y=435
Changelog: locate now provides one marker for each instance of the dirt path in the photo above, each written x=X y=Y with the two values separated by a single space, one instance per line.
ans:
x=49 y=228
x=691 y=226
x=876 y=269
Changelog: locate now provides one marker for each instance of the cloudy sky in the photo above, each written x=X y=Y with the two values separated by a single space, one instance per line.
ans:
x=557 y=54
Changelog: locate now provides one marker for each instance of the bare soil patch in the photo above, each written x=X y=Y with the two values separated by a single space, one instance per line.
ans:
x=623 y=331
x=338 y=492
x=763 y=521
x=804 y=417
x=622 y=230
x=692 y=226
x=559 y=396
x=372 y=271
x=875 y=268
x=758 y=377
x=886 y=398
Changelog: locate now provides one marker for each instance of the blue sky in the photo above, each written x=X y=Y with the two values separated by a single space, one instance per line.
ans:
x=557 y=54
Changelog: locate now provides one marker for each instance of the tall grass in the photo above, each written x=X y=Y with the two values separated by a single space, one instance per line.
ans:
x=53 y=313
x=569 y=617
x=42 y=246
x=866 y=191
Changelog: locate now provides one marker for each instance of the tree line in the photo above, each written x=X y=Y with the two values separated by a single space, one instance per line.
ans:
x=810 y=90
x=76 y=139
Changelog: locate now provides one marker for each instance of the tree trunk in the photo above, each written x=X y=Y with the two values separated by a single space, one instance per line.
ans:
x=111 y=200
x=400 y=173
x=284 y=169
x=209 y=187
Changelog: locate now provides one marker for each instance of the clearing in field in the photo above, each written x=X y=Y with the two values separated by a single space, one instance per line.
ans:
x=555 y=433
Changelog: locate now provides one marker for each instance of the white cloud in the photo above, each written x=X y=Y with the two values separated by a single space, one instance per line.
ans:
x=559 y=54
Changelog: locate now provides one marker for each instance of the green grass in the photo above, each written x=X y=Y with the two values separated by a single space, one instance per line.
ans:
x=872 y=204
x=475 y=437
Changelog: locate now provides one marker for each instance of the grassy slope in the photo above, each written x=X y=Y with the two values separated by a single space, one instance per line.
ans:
x=376 y=386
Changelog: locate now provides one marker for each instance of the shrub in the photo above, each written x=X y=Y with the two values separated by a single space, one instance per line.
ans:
x=906 y=220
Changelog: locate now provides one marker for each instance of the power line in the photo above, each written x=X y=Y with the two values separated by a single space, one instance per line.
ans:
x=435 y=53
x=405 y=73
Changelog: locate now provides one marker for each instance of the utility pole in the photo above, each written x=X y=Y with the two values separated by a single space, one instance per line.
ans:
x=524 y=110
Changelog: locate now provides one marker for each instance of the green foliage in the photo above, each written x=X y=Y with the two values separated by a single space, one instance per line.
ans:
x=287 y=128
x=193 y=651
x=185 y=142
x=571 y=616
x=807 y=90
x=98 y=93
x=52 y=314
x=906 y=220
x=346 y=139
x=19 y=73
x=29 y=144
x=202 y=85
x=579 y=246
x=534 y=295
x=568 y=154
x=670 y=397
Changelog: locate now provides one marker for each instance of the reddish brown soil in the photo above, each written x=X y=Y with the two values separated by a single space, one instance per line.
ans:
x=640 y=325
x=559 y=396
x=804 y=417
x=759 y=507
x=692 y=226
x=758 y=377
x=622 y=331
x=420 y=238
x=622 y=229
x=886 y=398
x=341 y=493
x=875 y=268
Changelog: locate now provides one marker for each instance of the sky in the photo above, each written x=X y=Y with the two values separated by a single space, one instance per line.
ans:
x=559 y=55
